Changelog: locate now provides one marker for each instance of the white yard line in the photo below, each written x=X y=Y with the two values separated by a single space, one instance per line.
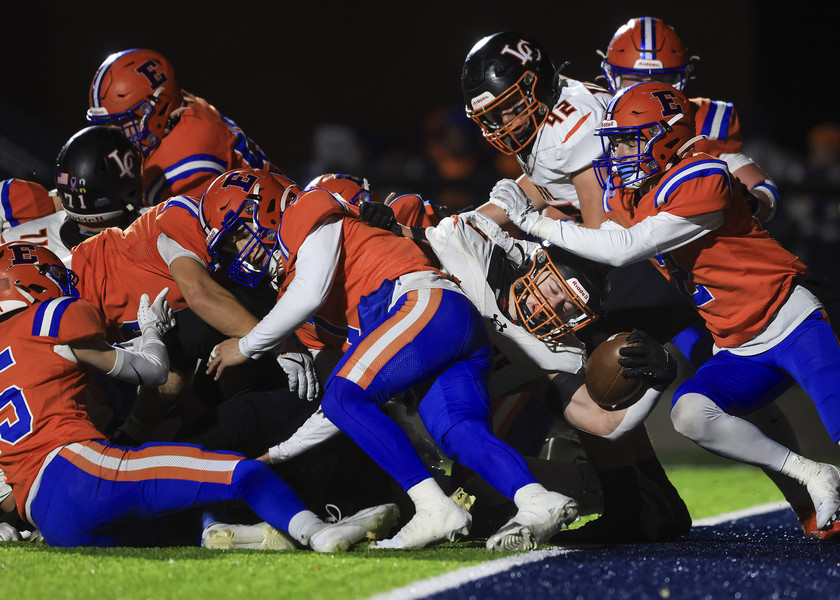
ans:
x=433 y=585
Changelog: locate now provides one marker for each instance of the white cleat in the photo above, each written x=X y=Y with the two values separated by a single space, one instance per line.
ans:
x=824 y=488
x=536 y=522
x=371 y=522
x=262 y=536
x=446 y=520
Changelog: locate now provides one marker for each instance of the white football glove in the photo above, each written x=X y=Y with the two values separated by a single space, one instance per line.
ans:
x=300 y=369
x=508 y=196
x=158 y=315
x=9 y=533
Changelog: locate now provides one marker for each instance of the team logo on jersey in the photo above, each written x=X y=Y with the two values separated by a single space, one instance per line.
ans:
x=124 y=164
x=523 y=52
x=149 y=70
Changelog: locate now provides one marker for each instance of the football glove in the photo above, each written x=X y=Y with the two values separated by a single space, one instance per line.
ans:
x=156 y=315
x=648 y=361
x=300 y=368
x=377 y=214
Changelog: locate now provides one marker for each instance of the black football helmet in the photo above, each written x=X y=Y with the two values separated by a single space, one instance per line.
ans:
x=583 y=281
x=509 y=88
x=99 y=176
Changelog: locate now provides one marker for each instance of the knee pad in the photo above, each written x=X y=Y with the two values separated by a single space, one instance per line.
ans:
x=691 y=413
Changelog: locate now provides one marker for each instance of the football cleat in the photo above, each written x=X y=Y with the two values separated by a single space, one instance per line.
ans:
x=262 y=536
x=371 y=522
x=445 y=521
x=824 y=488
x=535 y=522
x=812 y=532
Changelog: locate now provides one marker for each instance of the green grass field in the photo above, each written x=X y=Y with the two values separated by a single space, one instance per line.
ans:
x=195 y=573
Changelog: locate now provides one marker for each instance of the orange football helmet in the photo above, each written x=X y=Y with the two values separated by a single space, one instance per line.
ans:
x=30 y=274
x=353 y=190
x=245 y=205
x=658 y=118
x=647 y=49
x=137 y=91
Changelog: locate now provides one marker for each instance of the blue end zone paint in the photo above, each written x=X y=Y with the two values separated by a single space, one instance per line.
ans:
x=759 y=557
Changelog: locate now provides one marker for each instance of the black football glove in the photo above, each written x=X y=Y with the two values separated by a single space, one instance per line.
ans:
x=379 y=215
x=648 y=361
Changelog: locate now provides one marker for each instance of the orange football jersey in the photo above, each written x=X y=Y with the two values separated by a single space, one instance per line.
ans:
x=201 y=146
x=369 y=257
x=41 y=407
x=117 y=266
x=737 y=275
x=719 y=122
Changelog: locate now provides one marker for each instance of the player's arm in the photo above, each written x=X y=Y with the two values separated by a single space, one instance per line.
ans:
x=213 y=304
x=316 y=264
x=590 y=196
x=500 y=217
x=614 y=245
x=144 y=361
x=761 y=192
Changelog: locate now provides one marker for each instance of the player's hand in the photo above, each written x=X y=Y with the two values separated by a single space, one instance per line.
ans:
x=225 y=354
x=9 y=533
x=157 y=315
x=511 y=198
x=300 y=369
x=377 y=214
x=648 y=361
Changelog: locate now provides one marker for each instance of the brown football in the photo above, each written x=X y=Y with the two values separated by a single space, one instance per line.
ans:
x=603 y=376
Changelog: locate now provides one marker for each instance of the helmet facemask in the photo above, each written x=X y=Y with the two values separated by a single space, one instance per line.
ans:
x=536 y=297
x=247 y=248
x=519 y=101
x=134 y=122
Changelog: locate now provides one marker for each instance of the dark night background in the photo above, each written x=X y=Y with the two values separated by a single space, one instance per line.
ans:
x=279 y=68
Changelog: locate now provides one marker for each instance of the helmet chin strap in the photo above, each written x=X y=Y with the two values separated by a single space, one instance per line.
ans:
x=682 y=149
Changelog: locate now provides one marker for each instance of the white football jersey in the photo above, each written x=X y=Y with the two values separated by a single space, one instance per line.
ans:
x=470 y=248
x=566 y=143
x=45 y=231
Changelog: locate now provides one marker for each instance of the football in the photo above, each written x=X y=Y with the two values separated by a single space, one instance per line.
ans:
x=604 y=381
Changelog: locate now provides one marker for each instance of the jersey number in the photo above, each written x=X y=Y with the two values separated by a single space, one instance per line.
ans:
x=15 y=416
x=699 y=294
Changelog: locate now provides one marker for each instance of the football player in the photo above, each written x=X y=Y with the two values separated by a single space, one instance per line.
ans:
x=526 y=108
x=80 y=490
x=758 y=300
x=185 y=141
x=98 y=179
x=648 y=49
x=402 y=323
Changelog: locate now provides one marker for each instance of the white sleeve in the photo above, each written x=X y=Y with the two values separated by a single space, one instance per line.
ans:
x=617 y=246
x=317 y=261
x=169 y=250
x=636 y=414
x=145 y=363
x=5 y=488
x=736 y=160
x=314 y=431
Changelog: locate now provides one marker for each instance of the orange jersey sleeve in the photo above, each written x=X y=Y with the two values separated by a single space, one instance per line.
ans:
x=42 y=406
x=116 y=267
x=178 y=220
x=202 y=145
x=737 y=275
x=719 y=122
